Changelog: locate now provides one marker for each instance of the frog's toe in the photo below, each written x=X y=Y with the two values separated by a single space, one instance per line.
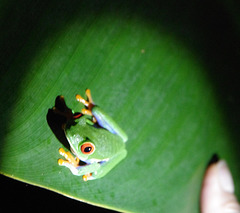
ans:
x=87 y=112
x=62 y=152
x=62 y=162
x=69 y=158
x=88 y=93
x=82 y=100
x=87 y=177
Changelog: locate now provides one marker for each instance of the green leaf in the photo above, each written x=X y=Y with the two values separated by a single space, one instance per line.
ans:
x=141 y=71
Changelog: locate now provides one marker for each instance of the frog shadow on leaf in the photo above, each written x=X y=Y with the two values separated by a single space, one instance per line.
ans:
x=57 y=120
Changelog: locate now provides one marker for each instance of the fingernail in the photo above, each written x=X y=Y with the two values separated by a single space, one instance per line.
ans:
x=225 y=177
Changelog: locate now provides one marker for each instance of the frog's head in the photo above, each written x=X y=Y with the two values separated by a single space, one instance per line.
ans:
x=91 y=144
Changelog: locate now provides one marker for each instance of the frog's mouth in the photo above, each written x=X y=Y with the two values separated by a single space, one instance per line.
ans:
x=85 y=162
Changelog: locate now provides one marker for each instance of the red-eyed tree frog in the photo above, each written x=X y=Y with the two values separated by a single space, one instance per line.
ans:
x=94 y=138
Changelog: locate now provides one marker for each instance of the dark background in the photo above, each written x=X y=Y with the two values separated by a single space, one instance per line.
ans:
x=210 y=29
x=21 y=197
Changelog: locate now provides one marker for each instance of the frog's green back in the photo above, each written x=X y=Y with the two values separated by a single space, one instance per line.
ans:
x=108 y=123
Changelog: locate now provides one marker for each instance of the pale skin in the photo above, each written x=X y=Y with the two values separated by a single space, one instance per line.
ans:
x=95 y=139
x=218 y=190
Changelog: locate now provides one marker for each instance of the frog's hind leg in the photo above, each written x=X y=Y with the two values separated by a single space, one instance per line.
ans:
x=88 y=93
x=82 y=100
x=88 y=103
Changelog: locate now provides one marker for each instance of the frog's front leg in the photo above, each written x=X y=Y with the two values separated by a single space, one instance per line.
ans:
x=108 y=165
x=73 y=164
x=69 y=158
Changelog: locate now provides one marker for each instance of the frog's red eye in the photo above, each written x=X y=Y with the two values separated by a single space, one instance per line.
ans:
x=87 y=148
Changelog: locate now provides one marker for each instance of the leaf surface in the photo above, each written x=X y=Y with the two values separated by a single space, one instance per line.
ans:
x=149 y=81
